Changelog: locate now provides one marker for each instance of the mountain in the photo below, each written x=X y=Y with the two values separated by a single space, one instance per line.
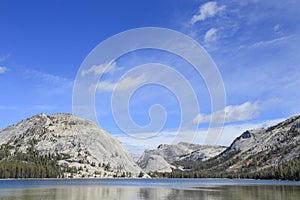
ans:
x=272 y=152
x=160 y=159
x=267 y=147
x=62 y=145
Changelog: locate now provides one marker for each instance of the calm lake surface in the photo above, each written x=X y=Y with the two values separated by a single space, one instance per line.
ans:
x=208 y=189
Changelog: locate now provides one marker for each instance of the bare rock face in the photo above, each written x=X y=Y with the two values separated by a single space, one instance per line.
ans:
x=267 y=146
x=160 y=159
x=252 y=151
x=79 y=143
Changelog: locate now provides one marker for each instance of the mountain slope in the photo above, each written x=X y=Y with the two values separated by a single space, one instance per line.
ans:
x=267 y=147
x=160 y=159
x=79 y=146
x=263 y=153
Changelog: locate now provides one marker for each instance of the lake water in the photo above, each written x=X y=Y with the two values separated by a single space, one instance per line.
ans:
x=131 y=189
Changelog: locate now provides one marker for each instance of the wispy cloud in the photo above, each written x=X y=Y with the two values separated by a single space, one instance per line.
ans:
x=211 y=35
x=207 y=10
x=270 y=42
x=3 y=69
x=3 y=107
x=42 y=107
x=245 y=111
x=109 y=67
x=123 y=85
x=49 y=78
x=3 y=58
x=265 y=43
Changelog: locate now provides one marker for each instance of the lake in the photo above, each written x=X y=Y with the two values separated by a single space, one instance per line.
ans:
x=131 y=189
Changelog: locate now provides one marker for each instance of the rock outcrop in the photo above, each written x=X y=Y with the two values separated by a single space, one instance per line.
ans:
x=161 y=158
x=266 y=147
x=77 y=144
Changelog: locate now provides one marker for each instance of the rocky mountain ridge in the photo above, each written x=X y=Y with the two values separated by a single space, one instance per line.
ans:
x=63 y=145
x=77 y=144
x=271 y=145
x=272 y=152
x=161 y=158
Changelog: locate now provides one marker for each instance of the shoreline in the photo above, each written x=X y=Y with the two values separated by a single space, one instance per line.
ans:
x=155 y=178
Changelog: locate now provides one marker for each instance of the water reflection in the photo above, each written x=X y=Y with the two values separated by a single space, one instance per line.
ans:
x=255 y=192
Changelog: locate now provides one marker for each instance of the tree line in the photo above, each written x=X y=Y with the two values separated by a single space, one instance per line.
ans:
x=29 y=164
x=289 y=170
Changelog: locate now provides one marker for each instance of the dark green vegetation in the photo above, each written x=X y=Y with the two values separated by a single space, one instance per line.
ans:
x=30 y=164
x=289 y=170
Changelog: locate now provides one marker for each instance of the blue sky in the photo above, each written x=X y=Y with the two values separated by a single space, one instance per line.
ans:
x=254 y=44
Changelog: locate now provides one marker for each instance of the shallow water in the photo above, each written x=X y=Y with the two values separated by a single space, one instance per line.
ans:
x=210 y=189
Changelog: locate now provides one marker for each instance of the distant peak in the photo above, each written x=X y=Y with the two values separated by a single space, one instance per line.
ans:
x=41 y=115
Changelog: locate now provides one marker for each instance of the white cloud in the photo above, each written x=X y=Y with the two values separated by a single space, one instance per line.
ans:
x=109 y=67
x=207 y=10
x=124 y=84
x=245 y=111
x=276 y=28
x=211 y=35
x=3 y=69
